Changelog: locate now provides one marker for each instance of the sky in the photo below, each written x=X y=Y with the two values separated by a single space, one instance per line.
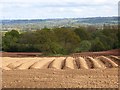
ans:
x=44 y=9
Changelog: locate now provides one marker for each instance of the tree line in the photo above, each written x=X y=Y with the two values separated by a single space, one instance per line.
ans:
x=64 y=40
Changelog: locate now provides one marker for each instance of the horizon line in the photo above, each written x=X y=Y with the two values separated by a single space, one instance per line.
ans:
x=56 y=18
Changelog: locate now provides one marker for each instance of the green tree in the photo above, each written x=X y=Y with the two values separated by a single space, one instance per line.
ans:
x=82 y=33
x=97 y=45
x=10 y=41
x=27 y=42
x=0 y=41
x=46 y=41
x=85 y=46
x=67 y=39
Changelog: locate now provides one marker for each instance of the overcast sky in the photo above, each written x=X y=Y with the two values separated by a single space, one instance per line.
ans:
x=42 y=9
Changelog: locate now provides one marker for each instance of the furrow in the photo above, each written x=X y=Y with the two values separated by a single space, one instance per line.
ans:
x=14 y=65
x=69 y=63
x=57 y=63
x=41 y=64
x=96 y=64
x=83 y=63
x=109 y=60
x=26 y=65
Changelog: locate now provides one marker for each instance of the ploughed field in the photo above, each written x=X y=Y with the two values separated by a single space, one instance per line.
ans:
x=60 y=72
x=81 y=62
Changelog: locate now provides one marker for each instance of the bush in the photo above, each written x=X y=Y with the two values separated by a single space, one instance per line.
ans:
x=85 y=46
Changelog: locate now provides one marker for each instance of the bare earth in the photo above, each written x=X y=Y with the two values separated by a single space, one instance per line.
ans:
x=60 y=78
x=60 y=72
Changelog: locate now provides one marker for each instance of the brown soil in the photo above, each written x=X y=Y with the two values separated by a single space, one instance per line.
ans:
x=115 y=52
x=87 y=62
x=79 y=71
x=52 y=78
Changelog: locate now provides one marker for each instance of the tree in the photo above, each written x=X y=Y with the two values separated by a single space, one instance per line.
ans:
x=64 y=40
x=67 y=39
x=13 y=33
x=108 y=37
x=117 y=44
x=10 y=41
x=97 y=45
x=85 y=46
x=27 y=42
x=46 y=42
x=0 y=41
x=82 y=33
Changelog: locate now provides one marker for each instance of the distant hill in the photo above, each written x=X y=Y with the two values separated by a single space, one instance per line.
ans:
x=50 y=23
x=94 y=20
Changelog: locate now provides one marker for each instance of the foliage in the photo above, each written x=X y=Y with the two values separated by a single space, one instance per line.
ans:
x=85 y=46
x=82 y=33
x=67 y=39
x=97 y=45
x=10 y=41
x=61 y=41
